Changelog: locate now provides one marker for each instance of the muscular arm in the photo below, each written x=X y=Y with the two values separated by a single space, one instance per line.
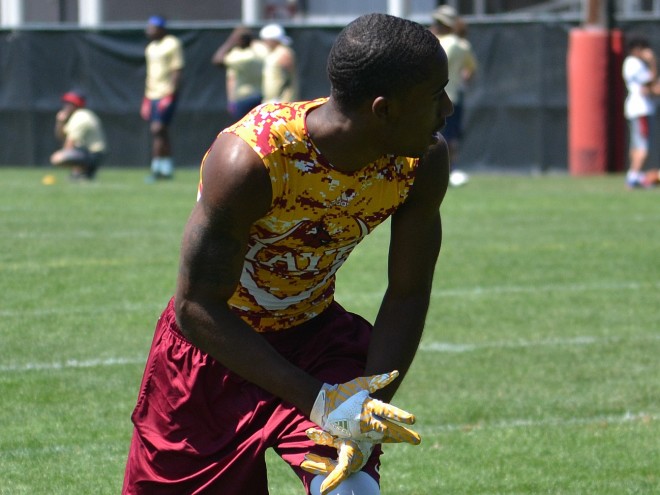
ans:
x=414 y=247
x=236 y=193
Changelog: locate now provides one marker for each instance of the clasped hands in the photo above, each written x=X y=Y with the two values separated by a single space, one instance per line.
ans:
x=352 y=422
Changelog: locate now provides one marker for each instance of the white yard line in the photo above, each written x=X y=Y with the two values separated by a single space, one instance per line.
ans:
x=584 y=340
x=82 y=310
x=531 y=289
x=71 y=364
x=470 y=292
x=425 y=347
x=514 y=289
x=627 y=417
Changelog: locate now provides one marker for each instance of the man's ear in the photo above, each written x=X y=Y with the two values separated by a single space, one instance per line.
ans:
x=384 y=108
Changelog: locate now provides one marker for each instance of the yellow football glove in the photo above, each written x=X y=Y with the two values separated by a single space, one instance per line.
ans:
x=351 y=457
x=347 y=411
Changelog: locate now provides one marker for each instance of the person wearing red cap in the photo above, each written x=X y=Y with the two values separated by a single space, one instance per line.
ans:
x=81 y=132
x=164 y=56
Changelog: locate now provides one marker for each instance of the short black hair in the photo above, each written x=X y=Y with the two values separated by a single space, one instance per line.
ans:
x=638 y=41
x=379 y=55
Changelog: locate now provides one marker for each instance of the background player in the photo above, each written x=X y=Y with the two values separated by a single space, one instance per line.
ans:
x=165 y=61
x=82 y=136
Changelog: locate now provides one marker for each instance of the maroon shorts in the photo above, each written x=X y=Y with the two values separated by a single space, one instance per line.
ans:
x=201 y=429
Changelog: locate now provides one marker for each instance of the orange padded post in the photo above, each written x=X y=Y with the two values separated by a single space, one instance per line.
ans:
x=588 y=67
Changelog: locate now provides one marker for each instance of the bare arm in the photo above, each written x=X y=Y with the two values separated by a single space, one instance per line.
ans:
x=414 y=247
x=231 y=42
x=236 y=193
x=61 y=119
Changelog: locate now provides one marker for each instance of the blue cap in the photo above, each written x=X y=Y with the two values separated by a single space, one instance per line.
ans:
x=158 y=21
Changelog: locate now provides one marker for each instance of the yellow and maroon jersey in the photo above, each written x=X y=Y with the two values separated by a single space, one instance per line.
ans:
x=317 y=216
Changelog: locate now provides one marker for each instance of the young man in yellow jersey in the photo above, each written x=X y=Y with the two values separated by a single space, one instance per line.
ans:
x=165 y=61
x=253 y=352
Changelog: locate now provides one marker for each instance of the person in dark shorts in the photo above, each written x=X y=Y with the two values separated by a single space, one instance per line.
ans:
x=253 y=352
x=165 y=62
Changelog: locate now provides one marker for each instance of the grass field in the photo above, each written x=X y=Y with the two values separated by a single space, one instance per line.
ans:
x=539 y=371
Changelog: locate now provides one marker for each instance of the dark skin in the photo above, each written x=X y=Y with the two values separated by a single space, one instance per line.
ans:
x=237 y=192
x=241 y=37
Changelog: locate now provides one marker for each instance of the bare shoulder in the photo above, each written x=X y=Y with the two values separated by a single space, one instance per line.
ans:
x=235 y=179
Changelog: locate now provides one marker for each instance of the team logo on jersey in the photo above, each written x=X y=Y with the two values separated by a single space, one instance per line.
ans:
x=309 y=251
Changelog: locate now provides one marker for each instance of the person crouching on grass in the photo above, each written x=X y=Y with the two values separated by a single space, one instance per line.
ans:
x=81 y=132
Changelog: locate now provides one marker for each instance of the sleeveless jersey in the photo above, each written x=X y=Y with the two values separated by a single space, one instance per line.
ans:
x=317 y=216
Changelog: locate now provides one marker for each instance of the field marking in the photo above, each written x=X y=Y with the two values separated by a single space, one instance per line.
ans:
x=627 y=417
x=348 y=294
x=81 y=310
x=604 y=420
x=503 y=289
x=433 y=346
x=71 y=364
x=78 y=262
x=476 y=291
x=447 y=347
x=90 y=234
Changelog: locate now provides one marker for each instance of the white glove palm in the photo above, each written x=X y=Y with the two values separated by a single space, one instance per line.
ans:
x=347 y=411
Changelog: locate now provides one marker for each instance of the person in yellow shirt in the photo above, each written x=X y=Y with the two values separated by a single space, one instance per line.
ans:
x=244 y=61
x=165 y=62
x=82 y=135
x=280 y=80
x=462 y=68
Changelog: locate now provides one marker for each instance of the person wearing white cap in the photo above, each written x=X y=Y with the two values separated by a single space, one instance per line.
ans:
x=462 y=67
x=280 y=80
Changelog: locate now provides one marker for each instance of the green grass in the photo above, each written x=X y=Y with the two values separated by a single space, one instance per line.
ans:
x=539 y=371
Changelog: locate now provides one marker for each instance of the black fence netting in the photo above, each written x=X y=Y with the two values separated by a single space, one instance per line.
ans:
x=515 y=109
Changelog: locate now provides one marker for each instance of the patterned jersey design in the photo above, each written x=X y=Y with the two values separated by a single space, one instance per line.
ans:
x=317 y=216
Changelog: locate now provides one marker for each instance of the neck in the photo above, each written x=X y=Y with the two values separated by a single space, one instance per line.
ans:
x=341 y=137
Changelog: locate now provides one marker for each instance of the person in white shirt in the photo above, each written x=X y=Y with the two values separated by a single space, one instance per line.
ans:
x=640 y=75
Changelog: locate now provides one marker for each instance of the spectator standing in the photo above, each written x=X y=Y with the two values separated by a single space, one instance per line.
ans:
x=280 y=79
x=244 y=61
x=165 y=62
x=82 y=136
x=462 y=68
x=640 y=75
x=252 y=350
